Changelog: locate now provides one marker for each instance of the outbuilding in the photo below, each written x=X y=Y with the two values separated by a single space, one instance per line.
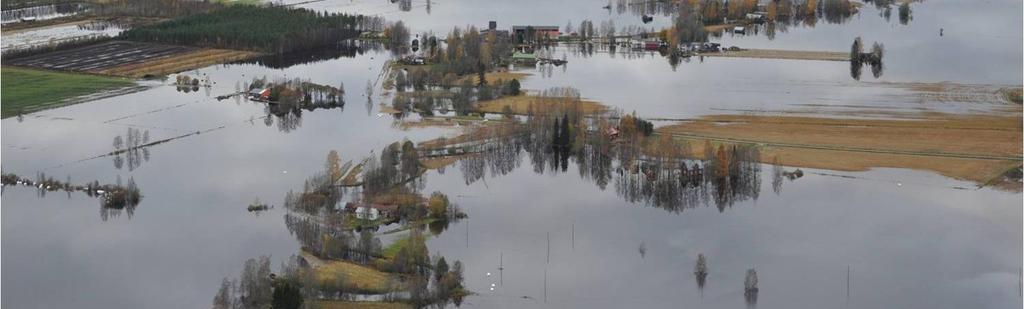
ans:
x=259 y=94
x=367 y=213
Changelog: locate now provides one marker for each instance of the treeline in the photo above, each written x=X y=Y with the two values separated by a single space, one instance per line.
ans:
x=272 y=29
x=469 y=51
x=153 y=8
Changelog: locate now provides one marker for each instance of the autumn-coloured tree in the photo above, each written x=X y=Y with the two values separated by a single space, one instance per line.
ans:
x=721 y=162
x=333 y=165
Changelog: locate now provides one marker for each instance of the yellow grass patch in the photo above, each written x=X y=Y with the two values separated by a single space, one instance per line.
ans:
x=478 y=133
x=719 y=27
x=356 y=277
x=397 y=198
x=387 y=109
x=976 y=148
x=177 y=63
x=521 y=104
x=493 y=77
x=440 y=162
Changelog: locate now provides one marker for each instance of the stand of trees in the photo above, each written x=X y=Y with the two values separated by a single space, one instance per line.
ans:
x=858 y=58
x=271 y=29
x=687 y=27
x=258 y=288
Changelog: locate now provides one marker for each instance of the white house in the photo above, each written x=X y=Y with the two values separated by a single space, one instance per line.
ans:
x=367 y=213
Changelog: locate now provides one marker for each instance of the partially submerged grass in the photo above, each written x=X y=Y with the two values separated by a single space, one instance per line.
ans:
x=387 y=109
x=1012 y=94
x=178 y=63
x=976 y=148
x=27 y=90
x=521 y=104
x=489 y=130
x=391 y=250
x=396 y=197
x=493 y=77
x=783 y=54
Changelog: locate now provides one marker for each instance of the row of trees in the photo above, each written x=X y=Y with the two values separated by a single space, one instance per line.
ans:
x=133 y=148
x=253 y=289
x=398 y=163
x=272 y=29
x=470 y=51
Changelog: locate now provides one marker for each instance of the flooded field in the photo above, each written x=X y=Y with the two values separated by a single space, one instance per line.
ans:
x=58 y=33
x=42 y=12
x=569 y=231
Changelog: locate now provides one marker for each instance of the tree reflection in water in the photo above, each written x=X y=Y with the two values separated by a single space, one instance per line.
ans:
x=700 y=271
x=647 y=173
x=297 y=96
x=132 y=147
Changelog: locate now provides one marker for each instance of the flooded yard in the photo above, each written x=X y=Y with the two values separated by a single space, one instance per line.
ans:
x=569 y=231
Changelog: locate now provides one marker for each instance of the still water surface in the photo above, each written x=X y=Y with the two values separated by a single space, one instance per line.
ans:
x=909 y=239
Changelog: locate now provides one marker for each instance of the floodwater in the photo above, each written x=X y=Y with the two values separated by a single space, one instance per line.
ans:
x=42 y=12
x=906 y=238
x=59 y=33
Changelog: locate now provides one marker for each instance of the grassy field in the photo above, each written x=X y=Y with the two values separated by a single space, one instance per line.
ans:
x=520 y=104
x=391 y=250
x=356 y=277
x=976 y=148
x=177 y=63
x=26 y=91
x=493 y=77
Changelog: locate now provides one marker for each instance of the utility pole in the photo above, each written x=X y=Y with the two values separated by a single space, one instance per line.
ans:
x=549 y=247
x=501 y=268
x=847 y=284
x=573 y=232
